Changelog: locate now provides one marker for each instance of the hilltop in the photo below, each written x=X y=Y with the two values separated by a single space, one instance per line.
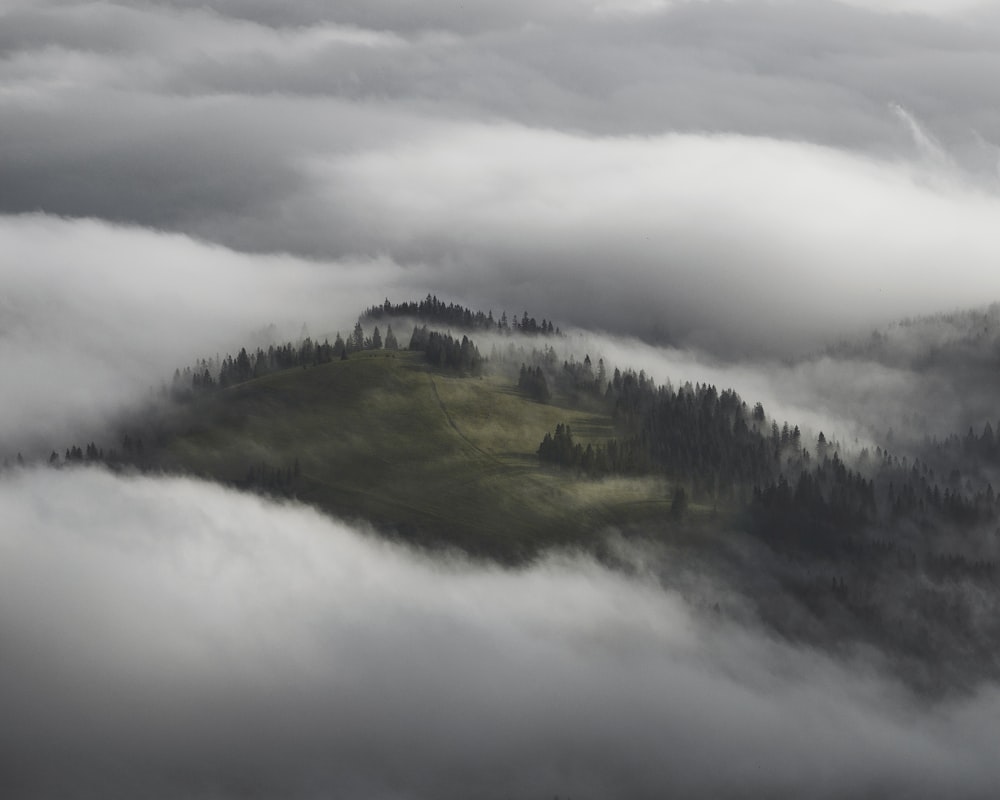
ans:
x=440 y=448
x=420 y=451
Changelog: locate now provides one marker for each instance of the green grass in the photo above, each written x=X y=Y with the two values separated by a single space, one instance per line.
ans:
x=436 y=457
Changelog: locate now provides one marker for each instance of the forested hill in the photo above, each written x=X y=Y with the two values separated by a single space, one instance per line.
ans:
x=427 y=440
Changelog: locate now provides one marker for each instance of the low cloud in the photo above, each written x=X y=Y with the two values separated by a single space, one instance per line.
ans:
x=733 y=243
x=173 y=637
x=851 y=399
x=94 y=318
x=853 y=394
x=728 y=175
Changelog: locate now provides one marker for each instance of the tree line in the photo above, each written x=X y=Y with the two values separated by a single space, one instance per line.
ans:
x=728 y=452
x=210 y=374
x=443 y=350
x=437 y=312
x=710 y=439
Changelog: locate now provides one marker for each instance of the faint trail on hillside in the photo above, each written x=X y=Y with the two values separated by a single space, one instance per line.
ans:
x=458 y=430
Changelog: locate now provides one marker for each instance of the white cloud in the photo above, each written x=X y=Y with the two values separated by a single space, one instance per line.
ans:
x=745 y=241
x=174 y=636
x=95 y=316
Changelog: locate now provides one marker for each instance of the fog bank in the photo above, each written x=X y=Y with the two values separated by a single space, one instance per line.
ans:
x=171 y=637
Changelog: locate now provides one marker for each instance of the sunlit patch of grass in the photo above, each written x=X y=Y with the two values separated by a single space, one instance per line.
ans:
x=432 y=455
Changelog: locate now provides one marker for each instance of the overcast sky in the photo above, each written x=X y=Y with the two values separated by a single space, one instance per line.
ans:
x=703 y=189
x=748 y=176
x=748 y=179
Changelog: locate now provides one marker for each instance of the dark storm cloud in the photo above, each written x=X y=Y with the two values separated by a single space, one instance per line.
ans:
x=171 y=638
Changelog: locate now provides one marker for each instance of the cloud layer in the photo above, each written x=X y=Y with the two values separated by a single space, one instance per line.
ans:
x=736 y=179
x=171 y=637
x=748 y=176
x=95 y=318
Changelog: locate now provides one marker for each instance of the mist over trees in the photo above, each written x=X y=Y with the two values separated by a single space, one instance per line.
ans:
x=823 y=544
x=443 y=350
x=897 y=549
x=893 y=547
x=440 y=348
x=436 y=312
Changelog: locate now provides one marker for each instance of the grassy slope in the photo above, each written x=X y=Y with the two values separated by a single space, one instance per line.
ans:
x=386 y=438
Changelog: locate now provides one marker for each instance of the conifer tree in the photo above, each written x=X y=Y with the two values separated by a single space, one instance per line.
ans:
x=390 y=339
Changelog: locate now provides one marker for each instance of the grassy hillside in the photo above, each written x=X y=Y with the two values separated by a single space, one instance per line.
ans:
x=434 y=456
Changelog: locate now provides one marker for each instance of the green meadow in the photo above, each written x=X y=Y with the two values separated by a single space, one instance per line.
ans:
x=421 y=453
